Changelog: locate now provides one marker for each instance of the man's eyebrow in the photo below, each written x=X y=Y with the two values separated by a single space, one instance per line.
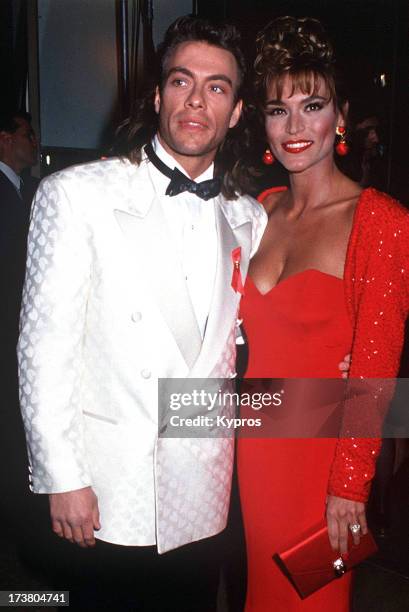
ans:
x=211 y=77
x=278 y=102
x=221 y=77
x=179 y=69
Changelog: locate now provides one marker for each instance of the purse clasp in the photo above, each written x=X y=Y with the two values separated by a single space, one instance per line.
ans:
x=339 y=567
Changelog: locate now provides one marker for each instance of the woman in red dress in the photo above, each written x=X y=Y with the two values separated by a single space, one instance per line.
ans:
x=330 y=277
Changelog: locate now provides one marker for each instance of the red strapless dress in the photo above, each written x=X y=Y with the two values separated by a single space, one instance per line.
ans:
x=300 y=329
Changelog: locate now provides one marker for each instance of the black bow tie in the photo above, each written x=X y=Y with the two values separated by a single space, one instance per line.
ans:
x=179 y=182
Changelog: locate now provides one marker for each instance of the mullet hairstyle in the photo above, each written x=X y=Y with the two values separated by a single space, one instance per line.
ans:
x=140 y=128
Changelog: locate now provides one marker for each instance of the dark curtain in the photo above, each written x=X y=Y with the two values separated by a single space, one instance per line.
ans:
x=13 y=53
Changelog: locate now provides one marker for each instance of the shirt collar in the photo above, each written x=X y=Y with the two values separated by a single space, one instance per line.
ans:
x=11 y=175
x=172 y=163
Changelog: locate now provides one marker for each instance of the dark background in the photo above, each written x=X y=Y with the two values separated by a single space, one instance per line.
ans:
x=371 y=38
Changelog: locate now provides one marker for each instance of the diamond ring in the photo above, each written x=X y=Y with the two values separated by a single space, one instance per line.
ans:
x=355 y=528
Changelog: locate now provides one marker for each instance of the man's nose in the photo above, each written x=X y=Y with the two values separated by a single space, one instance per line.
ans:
x=196 y=97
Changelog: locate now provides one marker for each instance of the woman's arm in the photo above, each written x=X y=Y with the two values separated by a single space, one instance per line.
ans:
x=377 y=288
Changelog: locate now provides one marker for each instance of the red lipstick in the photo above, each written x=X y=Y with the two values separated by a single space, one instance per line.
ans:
x=296 y=146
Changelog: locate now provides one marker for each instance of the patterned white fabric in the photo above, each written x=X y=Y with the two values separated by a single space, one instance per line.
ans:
x=105 y=313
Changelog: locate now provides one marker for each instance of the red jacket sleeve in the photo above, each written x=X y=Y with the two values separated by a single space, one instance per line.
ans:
x=377 y=292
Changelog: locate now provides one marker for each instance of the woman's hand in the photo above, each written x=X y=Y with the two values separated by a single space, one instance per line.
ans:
x=341 y=513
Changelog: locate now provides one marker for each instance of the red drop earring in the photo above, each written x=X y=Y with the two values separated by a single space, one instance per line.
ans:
x=268 y=157
x=341 y=147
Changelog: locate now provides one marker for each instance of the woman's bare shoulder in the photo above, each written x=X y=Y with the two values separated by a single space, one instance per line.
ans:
x=271 y=198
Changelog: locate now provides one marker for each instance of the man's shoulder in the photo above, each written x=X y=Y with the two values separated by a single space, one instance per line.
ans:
x=110 y=180
x=243 y=209
x=9 y=197
x=95 y=172
x=5 y=182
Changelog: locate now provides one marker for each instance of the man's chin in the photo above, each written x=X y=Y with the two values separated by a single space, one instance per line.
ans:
x=193 y=150
x=188 y=145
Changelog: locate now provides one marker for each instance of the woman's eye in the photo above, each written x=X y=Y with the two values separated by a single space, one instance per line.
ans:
x=275 y=111
x=314 y=106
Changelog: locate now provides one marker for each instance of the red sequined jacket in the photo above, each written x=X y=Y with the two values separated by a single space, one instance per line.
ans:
x=376 y=282
x=377 y=294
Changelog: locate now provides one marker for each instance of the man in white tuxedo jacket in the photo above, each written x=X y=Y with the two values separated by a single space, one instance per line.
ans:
x=124 y=285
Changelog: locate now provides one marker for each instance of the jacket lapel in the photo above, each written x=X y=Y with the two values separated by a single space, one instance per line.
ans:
x=147 y=234
x=225 y=299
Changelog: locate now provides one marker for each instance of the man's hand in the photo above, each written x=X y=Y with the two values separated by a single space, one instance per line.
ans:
x=345 y=365
x=75 y=515
x=341 y=513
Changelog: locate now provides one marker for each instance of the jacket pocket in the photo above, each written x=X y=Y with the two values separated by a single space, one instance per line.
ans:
x=100 y=417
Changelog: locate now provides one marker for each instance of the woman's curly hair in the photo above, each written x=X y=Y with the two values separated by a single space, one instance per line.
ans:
x=300 y=49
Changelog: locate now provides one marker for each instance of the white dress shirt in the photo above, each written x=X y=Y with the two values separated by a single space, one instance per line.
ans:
x=193 y=227
x=12 y=176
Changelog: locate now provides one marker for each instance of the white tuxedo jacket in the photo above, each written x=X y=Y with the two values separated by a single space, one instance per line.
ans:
x=106 y=312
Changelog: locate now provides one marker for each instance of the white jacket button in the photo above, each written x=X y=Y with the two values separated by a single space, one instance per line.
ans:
x=136 y=316
x=146 y=373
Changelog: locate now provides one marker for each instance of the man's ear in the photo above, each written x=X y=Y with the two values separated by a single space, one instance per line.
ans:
x=235 y=116
x=6 y=136
x=157 y=100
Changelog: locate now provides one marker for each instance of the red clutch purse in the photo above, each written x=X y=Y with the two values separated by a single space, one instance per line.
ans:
x=311 y=564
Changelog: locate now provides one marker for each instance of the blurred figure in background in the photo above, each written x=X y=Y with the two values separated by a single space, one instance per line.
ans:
x=366 y=161
x=368 y=139
x=18 y=152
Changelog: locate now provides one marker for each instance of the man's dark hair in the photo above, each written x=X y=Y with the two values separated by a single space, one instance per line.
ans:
x=8 y=121
x=140 y=128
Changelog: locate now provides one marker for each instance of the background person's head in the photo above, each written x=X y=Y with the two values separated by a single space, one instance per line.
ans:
x=368 y=132
x=18 y=143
